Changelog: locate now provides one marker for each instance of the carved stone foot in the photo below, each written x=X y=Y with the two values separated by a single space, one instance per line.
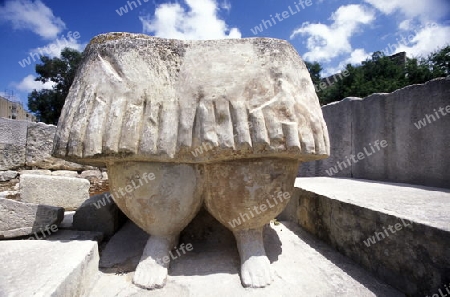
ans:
x=244 y=196
x=151 y=273
x=255 y=266
x=161 y=198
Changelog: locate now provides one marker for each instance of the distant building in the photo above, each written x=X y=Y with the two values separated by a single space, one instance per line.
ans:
x=14 y=110
x=399 y=59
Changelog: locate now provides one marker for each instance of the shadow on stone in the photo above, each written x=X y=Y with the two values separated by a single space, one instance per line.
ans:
x=347 y=265
x=46 y=216
x=207 y=237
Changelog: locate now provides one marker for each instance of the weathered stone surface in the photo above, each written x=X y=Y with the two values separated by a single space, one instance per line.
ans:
x=166 y=200
x=36 y=171
x=40 y=143
x=99 y=213
x=15 y=195
x=13 y=139
x=357 y=218
x=67 y=192
x=338 y=115
x=67 y=222
x=66 y=173
x=10 y=189
x=24 y=143
x=124 y=249
x=39 y=147
x=91 y=174
x=263 y=123
x=70 y=235
x=19 y=219
x=269 y=107
x=99 y=187
x=99 y=181
x=8 y=175
x=395 y=118
x=205 y=229
x=48 y=268
x=210 y=271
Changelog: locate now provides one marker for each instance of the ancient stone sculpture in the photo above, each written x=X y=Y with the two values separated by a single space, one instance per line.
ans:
x=223 y=123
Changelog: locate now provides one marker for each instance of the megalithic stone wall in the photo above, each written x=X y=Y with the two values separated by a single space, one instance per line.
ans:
x=13 y=140
x=414 y=122
x=26 y=144
x=26 y=147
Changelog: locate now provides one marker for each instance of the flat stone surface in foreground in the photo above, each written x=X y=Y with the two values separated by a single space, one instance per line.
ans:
x=47 y=268
x=400 y=232
x=419 y=204
x=303 y=266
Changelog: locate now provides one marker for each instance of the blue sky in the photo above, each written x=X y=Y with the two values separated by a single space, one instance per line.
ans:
x=331 y=32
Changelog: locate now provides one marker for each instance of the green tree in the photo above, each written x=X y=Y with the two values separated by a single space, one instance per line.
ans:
x=47 y=104
x=418 y=71
x=314 y=70
x=440 y=62
x=382 y=74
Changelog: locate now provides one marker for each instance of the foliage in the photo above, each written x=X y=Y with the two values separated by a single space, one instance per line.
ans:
x=48 y=103
x=314 y=70
x=381 y=74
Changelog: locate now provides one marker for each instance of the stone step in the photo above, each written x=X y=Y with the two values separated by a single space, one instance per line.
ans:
x=399 y=232
x=47 y=268
x=303 y=265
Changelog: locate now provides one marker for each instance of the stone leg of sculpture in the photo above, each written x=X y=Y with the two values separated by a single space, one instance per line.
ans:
x=244 y=195
x=161 y=198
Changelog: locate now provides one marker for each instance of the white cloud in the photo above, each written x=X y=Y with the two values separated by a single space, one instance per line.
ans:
x=356 y=57
x=34 y=16
x=425 y=10
x=226 y=5
x=28 y=84
x=200 y=21
x=54 y=49
x=425 y=40
x=405 y=25
x=327 y=42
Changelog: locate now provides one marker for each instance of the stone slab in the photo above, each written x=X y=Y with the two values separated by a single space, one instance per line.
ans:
x=15 y=195
x=39 y=148
x=426 y=205
x=338 y=116
x=124 y=249
x=47 y=268
x=415 y=156
x=67 y=222
x=400 y=232
x=91 y=174
x=67 y=192
x=66 y=173
x=7 y=175
x=304 y=266
x=413 y=121
x=13 y=139
x=36 y=171
x=70 y=235
x=99 y=213
x=19 y=219
x=118 y=256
